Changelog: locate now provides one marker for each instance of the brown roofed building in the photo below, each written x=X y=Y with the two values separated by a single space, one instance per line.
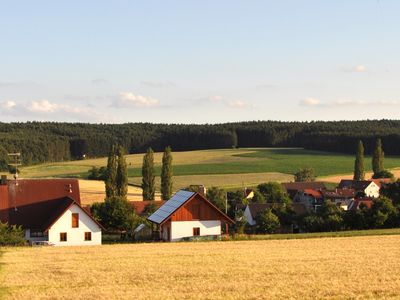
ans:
x=49 y=210
x=293 y=188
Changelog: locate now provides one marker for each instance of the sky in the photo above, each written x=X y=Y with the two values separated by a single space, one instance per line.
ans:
x=192 y=61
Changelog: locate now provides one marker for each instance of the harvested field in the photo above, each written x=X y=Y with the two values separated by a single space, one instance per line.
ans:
x=94 y=191
x=324 y=268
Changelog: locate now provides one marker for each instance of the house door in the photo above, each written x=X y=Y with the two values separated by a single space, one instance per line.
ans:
x=168 y=233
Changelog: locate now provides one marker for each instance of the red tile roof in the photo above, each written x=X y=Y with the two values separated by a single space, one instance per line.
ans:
x=140 y=206
x=339 y=193
x=358 y=202
x=314 y=193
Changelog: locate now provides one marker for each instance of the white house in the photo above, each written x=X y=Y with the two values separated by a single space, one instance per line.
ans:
x=188 y=214
x=367 y=188
x=59 y=222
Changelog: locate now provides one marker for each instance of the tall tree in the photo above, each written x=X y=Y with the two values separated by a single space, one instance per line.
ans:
x=122 y=174
x=378 y=157
x=111 y=173
x=166 y=174
x=359 y=172
x=148 y=178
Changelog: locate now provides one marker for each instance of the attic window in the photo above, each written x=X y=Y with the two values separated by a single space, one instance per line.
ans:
x=63 y=236
x=75 y=220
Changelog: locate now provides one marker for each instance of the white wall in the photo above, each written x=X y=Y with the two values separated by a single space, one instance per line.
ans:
x=75 y=236
x=372 y=190
x=181 y=229
x=248 y=216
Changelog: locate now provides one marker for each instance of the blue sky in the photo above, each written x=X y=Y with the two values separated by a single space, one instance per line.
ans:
x=199 y=61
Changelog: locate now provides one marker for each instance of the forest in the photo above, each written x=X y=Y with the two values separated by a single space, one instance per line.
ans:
x=52 y=141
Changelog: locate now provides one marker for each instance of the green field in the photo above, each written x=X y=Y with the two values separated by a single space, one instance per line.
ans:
x=195 y=167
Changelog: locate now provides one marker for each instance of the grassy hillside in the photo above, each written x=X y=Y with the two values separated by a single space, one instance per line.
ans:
x=222 y=167
x=334 y=268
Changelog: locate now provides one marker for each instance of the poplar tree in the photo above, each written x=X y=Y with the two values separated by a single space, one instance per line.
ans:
x=122 y=174
x=359 y=172
x=148 y=178
x=166 y=174
x=111 y=174
x=377 y=158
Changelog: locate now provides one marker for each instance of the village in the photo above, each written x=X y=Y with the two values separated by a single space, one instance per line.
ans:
x=50 y=210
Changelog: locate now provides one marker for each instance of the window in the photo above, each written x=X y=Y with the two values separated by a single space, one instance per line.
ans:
x=196 y=231
x=36 y=233
x=63 y=236
x=75 y=220
x=88 y=236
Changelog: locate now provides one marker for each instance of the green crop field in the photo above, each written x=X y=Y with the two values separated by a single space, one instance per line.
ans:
x=197 y=167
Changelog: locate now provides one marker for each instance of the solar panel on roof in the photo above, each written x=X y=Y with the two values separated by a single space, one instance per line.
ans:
x=170 y=206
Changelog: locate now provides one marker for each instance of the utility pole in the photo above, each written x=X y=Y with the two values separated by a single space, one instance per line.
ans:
x=15 y=159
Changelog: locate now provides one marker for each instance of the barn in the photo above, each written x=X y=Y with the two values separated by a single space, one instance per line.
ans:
x=189 y=214
x=49 y=210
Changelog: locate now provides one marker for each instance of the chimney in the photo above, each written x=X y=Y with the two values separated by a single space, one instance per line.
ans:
x=202 y=190
x=3 y=180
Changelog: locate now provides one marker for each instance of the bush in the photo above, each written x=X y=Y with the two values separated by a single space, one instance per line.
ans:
x=11 y=235
x=267 y=222
x=304 y=175
x=97 y=173
x=383 y=174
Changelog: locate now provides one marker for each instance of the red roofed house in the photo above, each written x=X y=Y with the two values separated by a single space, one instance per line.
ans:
x=49 y=210
x=310 y=198
x=188 y=214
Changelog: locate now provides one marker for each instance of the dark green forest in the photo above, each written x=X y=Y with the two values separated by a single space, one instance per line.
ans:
x=51 y=141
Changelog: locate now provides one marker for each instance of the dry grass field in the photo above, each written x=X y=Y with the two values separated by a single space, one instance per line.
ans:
x=222 y=180
x=325 y=268
x=94 y=191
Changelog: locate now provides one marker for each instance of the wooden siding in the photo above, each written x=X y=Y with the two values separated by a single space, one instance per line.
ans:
x=196 y=209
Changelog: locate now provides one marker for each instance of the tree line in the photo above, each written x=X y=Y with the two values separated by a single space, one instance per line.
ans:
x=50 y=141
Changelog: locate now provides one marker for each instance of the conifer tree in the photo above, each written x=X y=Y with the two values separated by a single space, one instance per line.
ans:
x=359 y=172
x=122 y=174
x=378 y=157
x=166 y=174
x=148 y=178
x=111 y=173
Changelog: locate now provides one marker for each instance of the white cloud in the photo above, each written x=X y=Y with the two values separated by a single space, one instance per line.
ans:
x=216 y=98
x=8 y=105
x=128 y=99
x=237 y=104
x=355 y=69
x=43 y=106
x=46 y=110
x=310 y=102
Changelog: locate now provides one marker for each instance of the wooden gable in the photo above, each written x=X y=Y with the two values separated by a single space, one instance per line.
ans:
x=197 y=209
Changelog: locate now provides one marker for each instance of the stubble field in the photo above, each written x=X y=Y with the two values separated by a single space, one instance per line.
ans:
x=333 y=268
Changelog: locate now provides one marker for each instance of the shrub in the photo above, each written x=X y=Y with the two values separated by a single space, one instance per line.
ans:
x=11 y=235
x=267 y=222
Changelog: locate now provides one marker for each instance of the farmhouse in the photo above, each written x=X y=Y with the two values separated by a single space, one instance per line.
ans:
x=367 y=188
x=49 y=210
x=292 y=188
x=188 y=214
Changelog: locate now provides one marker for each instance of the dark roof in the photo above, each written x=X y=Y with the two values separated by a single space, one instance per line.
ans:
x=42 y=215
x=28 y=191
x=359 y=185
x=256 y=208
x=339 y=193
x=179 y=199
x=301 y=186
